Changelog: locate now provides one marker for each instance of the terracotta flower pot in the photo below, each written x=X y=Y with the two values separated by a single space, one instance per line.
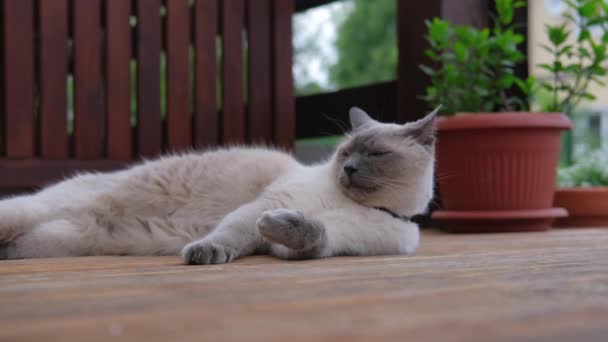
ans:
x=587 y=207
x=496 y=171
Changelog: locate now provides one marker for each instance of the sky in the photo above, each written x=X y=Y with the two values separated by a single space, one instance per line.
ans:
x=315 y=33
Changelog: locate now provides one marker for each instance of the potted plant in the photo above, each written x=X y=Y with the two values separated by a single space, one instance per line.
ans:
x=496 y=160
x=584 y=192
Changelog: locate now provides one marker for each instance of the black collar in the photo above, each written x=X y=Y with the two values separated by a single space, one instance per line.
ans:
x=394 y=215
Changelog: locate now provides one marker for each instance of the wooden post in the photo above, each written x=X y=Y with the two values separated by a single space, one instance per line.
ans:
x=283 y=92
x=18 y=71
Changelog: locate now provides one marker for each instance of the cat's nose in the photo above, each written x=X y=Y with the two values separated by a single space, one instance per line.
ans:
x=350 y=170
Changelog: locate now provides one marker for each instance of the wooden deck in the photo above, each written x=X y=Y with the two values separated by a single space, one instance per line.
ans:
x=520 y=287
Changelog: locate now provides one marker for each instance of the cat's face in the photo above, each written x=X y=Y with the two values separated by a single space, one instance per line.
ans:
x=387 y=165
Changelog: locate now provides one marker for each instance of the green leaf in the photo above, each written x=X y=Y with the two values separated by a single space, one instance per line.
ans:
x=506 y=81
x=547 y=87
x=546 y=67
x=504 y=9
x=557 y=34
x=564 y=50
x=431 y=54
x=599 y=50
x=599 y=70
x=573 y=69
x=547 y=48
x=585 y=34
x=584 y=52
x=598 y=81
x=461 y=51
x=589 y=96
x=558 y=66
x=519 y=4
x=587 y=9
x=439 y=30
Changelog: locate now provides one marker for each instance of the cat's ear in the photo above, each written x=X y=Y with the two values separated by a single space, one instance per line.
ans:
x=423 y=130
x=359 y=119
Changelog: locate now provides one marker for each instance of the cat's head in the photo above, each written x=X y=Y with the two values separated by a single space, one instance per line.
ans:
x=387 y=165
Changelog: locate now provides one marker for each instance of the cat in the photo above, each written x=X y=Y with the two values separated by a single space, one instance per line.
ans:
x=220 y=205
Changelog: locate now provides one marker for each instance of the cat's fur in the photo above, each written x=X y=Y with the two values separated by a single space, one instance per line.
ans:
x=220 y=205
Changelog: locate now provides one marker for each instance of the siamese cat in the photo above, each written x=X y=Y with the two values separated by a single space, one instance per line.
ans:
x=216 y=206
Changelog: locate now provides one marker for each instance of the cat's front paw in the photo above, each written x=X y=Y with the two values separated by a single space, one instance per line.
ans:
x=290 y=228
x=207 y=253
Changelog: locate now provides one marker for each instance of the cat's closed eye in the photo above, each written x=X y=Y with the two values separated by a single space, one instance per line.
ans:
x=378 y=153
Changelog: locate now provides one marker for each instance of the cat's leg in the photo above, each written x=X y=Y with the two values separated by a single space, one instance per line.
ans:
x=21 y=213
x=93 y=234
x=57 y=238
x=337 y=232
x=293 y=235
x=234 y=237
x=18 y=215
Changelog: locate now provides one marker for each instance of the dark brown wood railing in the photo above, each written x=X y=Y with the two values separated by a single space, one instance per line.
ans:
x=201 y=50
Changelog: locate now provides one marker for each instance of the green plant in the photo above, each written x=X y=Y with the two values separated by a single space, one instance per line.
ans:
x=592 y=170
x=475 y=67
x=577 y=61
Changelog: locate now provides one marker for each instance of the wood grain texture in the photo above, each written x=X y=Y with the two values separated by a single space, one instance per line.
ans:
x=233 y=114
x=179 y=132
x=53 y=78
x=89 y=99
x=283 y=91
x=149 y=35
x=18 y=84
x=259 y=115
x=118 y=75
x=520 y=287
x=206 y=118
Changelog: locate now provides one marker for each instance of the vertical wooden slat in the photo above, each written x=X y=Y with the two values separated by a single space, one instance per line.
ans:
x=53 y=79
x=206 y=121
x=259 y=80
x=233 y=118
x=2 y=114
x=411 y=41
x=118 y=87
x=18 y=86
x=149 y=131
x=283 y=93
x=89 y=113
x=178 y=104
x=2 y=83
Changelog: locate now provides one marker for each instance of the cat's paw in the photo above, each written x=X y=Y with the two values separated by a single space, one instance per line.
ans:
x=290 y=228
x=207 y=253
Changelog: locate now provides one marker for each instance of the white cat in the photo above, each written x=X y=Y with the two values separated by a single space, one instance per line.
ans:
x=225 y=204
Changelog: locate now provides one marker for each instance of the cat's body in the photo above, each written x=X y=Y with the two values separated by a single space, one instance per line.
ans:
x=219 y=205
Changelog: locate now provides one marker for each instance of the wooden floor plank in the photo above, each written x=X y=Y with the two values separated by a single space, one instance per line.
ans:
x=549 y=286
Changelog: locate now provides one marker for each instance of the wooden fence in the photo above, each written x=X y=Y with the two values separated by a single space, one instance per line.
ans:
x=95 y=84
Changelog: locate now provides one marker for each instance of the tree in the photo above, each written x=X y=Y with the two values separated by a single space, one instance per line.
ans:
x=366 y=45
